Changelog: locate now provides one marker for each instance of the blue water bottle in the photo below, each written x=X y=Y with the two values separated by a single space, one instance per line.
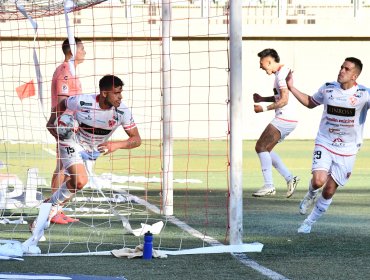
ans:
x=148 y=246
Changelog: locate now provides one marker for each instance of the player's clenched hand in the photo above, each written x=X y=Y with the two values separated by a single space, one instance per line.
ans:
x=257 y=98
x=258 y=108
x=107 y=147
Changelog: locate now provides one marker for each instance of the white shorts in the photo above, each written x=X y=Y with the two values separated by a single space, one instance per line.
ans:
x=70 y=153
x=339 y=167
x=285 y=127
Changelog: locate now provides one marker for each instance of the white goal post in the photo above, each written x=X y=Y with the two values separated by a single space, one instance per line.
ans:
x=181 y=64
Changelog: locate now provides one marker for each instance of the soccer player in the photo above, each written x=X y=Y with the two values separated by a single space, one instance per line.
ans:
x=63 y=85
x=98 y=115
x=339 y=137
x=281 y=126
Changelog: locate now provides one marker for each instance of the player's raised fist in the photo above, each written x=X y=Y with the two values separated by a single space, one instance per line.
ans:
x=257 y=98
x=258 y=108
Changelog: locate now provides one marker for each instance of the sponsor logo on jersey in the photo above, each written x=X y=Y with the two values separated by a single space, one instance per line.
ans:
x=94 y=130
x=341 y=111
x=338 y=142
x=83 y=103
x=358 y=94
x=334 y=130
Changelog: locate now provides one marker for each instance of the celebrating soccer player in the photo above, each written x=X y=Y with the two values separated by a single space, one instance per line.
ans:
x=339 y=137
x=280 y=127
x=98 y=116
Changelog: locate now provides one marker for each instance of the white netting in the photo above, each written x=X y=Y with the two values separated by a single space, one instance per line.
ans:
x=39 y=8
x=124 y=195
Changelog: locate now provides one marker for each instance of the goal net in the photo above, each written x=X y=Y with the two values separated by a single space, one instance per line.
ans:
x=127 y=190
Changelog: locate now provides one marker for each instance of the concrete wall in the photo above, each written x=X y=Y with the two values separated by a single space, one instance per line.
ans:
x=199 y=69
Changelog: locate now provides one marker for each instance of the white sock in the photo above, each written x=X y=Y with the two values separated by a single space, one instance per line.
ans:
x=319 y=209
x=266 y=166
x=280 y=166
x=311 y=191
x=61 y=195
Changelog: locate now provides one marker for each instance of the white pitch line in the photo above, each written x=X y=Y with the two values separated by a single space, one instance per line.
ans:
x=242 y=258
x=50 y=151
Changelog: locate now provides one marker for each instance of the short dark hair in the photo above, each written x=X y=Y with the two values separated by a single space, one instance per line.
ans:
x=269 y=52
x=110 y=81
x=66 y=48
x=356 y=62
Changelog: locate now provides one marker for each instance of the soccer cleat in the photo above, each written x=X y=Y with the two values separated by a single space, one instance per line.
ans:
x=305 y=227
x=306 y=203
x=59 y=219
x=69 y=219
x=265 y=191
x=292 y=185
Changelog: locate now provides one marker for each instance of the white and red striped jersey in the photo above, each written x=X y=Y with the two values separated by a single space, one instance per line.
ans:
x=96 y=125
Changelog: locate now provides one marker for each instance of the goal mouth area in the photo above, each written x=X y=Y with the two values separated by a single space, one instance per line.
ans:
x=37 y=9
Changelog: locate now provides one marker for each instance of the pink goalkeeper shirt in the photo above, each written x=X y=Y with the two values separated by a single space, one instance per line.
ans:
x=64 y=84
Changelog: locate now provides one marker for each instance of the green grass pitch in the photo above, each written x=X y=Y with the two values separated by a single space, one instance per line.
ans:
x=337 y=248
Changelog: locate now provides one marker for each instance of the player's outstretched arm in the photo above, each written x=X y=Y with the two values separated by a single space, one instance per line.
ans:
x=303 y=98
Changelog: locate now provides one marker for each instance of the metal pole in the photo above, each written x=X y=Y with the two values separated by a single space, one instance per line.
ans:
x=205 y=8
x=167 y=183
x=236 y=140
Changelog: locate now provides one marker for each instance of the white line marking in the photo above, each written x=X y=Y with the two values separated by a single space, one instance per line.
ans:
x=50 y=151
x=243 y=258
x=37 y=277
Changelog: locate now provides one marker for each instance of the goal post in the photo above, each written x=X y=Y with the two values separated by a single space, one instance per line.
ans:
x=167 y=179
x=236 y=123
x=184 y=91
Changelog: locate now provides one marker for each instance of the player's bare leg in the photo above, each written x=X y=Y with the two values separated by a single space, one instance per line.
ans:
x=59 y=177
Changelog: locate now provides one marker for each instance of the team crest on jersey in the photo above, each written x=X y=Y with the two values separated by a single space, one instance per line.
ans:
x=111 y=123
x=66 y=78
x=64 y=88
x=352 y=100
